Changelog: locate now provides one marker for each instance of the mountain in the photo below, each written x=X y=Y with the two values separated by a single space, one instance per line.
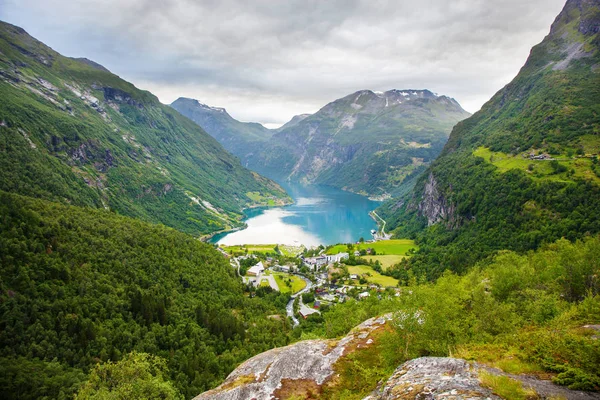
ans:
x=523 y=170
x=296 y=119
x=367 y=142
x=239 y=138
x=75 y=133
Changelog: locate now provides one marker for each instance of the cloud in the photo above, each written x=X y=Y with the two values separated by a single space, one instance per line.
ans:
x=269 y=60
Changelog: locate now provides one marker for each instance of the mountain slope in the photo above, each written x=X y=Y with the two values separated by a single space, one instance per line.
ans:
x=239 y=138
x=523 y=170
x=73 y=132
x=81 y=286
x=366 y=142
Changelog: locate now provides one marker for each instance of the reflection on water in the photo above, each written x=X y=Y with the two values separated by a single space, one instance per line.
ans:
x=320 y=215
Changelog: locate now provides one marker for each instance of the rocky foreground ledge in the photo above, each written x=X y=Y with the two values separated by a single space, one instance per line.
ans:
x=304 y=369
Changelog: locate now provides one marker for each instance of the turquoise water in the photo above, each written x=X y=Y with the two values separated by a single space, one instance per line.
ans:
x=320 y=215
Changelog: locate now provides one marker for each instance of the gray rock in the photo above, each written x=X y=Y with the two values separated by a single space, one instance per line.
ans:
x=433 y=378
x=308 y=364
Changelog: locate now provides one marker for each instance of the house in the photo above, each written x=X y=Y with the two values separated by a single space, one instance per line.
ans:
x=315 y=262
x=337 y=257
x=306 y=311
x=256 y=270
x=356 y=253
x=283 y=268
x=328 y=297
x=363 y=295
x=353 y=276
x=369 y=251
x=317 y=304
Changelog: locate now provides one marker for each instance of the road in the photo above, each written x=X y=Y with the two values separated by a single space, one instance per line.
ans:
x=290 y=305
x=383 y=234
x=271 y=280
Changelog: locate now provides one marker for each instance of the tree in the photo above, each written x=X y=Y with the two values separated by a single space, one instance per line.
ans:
x=137 y=376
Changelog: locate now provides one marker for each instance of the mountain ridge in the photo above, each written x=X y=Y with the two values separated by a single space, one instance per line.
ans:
x=393 y=133
x=523 y=170
x=112 y=145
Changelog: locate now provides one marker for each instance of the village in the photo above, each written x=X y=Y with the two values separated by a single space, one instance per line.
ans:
x=322 y=277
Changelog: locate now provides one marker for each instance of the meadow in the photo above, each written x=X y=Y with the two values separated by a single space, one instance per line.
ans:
x=297 y=283
x=374 y=276
x=383 y=247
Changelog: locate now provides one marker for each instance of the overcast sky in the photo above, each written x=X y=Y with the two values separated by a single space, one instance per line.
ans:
x=266 y=61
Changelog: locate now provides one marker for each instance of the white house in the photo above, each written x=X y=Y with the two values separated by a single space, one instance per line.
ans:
x=315 y=262
x=337 y=257
x=363 y=295
x=256 y=270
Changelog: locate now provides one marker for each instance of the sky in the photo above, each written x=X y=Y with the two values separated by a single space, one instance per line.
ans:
x=268 y=60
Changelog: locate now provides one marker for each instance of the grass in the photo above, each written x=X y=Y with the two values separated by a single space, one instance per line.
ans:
x=297 y=283
x=250 y=248
x=259 y=198
x=542 y=169
x=502 y=357
x=384 y=247
x=386 y=261
x=507 y=388
x=264 y=282
x=375 y=277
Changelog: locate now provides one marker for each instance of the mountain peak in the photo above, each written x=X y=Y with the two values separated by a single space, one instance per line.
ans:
x=582 y=15
x=195 y=102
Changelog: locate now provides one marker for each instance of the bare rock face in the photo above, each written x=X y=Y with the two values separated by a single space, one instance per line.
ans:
x=299 y=369
x=433 y=378
x=433 y=205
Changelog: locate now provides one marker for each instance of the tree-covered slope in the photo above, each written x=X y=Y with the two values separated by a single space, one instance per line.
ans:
x=523 y=170
x=80 y=286
x=369 y=143
x=239 y=138
x=73 y=132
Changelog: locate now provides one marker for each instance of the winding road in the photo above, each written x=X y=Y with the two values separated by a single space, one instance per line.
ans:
x=290 y=305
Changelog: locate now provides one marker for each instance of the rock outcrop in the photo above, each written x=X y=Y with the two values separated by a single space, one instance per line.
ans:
x=299 y=370
x=433 y=378
x=434 y=205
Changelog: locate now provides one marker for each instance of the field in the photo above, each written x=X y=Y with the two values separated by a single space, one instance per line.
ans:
x=249 y=248
x=386 y=261
x=376 y=277
x=288 y=251
x=542 y=169
x=384 y=247
x=297 y=283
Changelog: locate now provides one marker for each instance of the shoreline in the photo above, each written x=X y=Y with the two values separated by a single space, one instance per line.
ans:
x=206 y=238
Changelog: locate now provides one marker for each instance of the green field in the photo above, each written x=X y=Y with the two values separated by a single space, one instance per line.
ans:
x=297 y=283
x=376 y=277
x=249 y=248
x=386 y=261
x=542 y=169
x=384 y=247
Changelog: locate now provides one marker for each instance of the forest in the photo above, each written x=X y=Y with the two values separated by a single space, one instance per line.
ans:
x=143 y=288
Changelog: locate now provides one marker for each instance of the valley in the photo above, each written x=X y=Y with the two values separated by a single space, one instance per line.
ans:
x=385 y=245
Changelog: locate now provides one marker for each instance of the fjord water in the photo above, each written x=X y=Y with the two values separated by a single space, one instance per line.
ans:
x=319 y=215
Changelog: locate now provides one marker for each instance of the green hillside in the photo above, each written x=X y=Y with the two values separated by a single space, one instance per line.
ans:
x=80 y=286
x=242 y=139
x=523 y=170
x=72 y=132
